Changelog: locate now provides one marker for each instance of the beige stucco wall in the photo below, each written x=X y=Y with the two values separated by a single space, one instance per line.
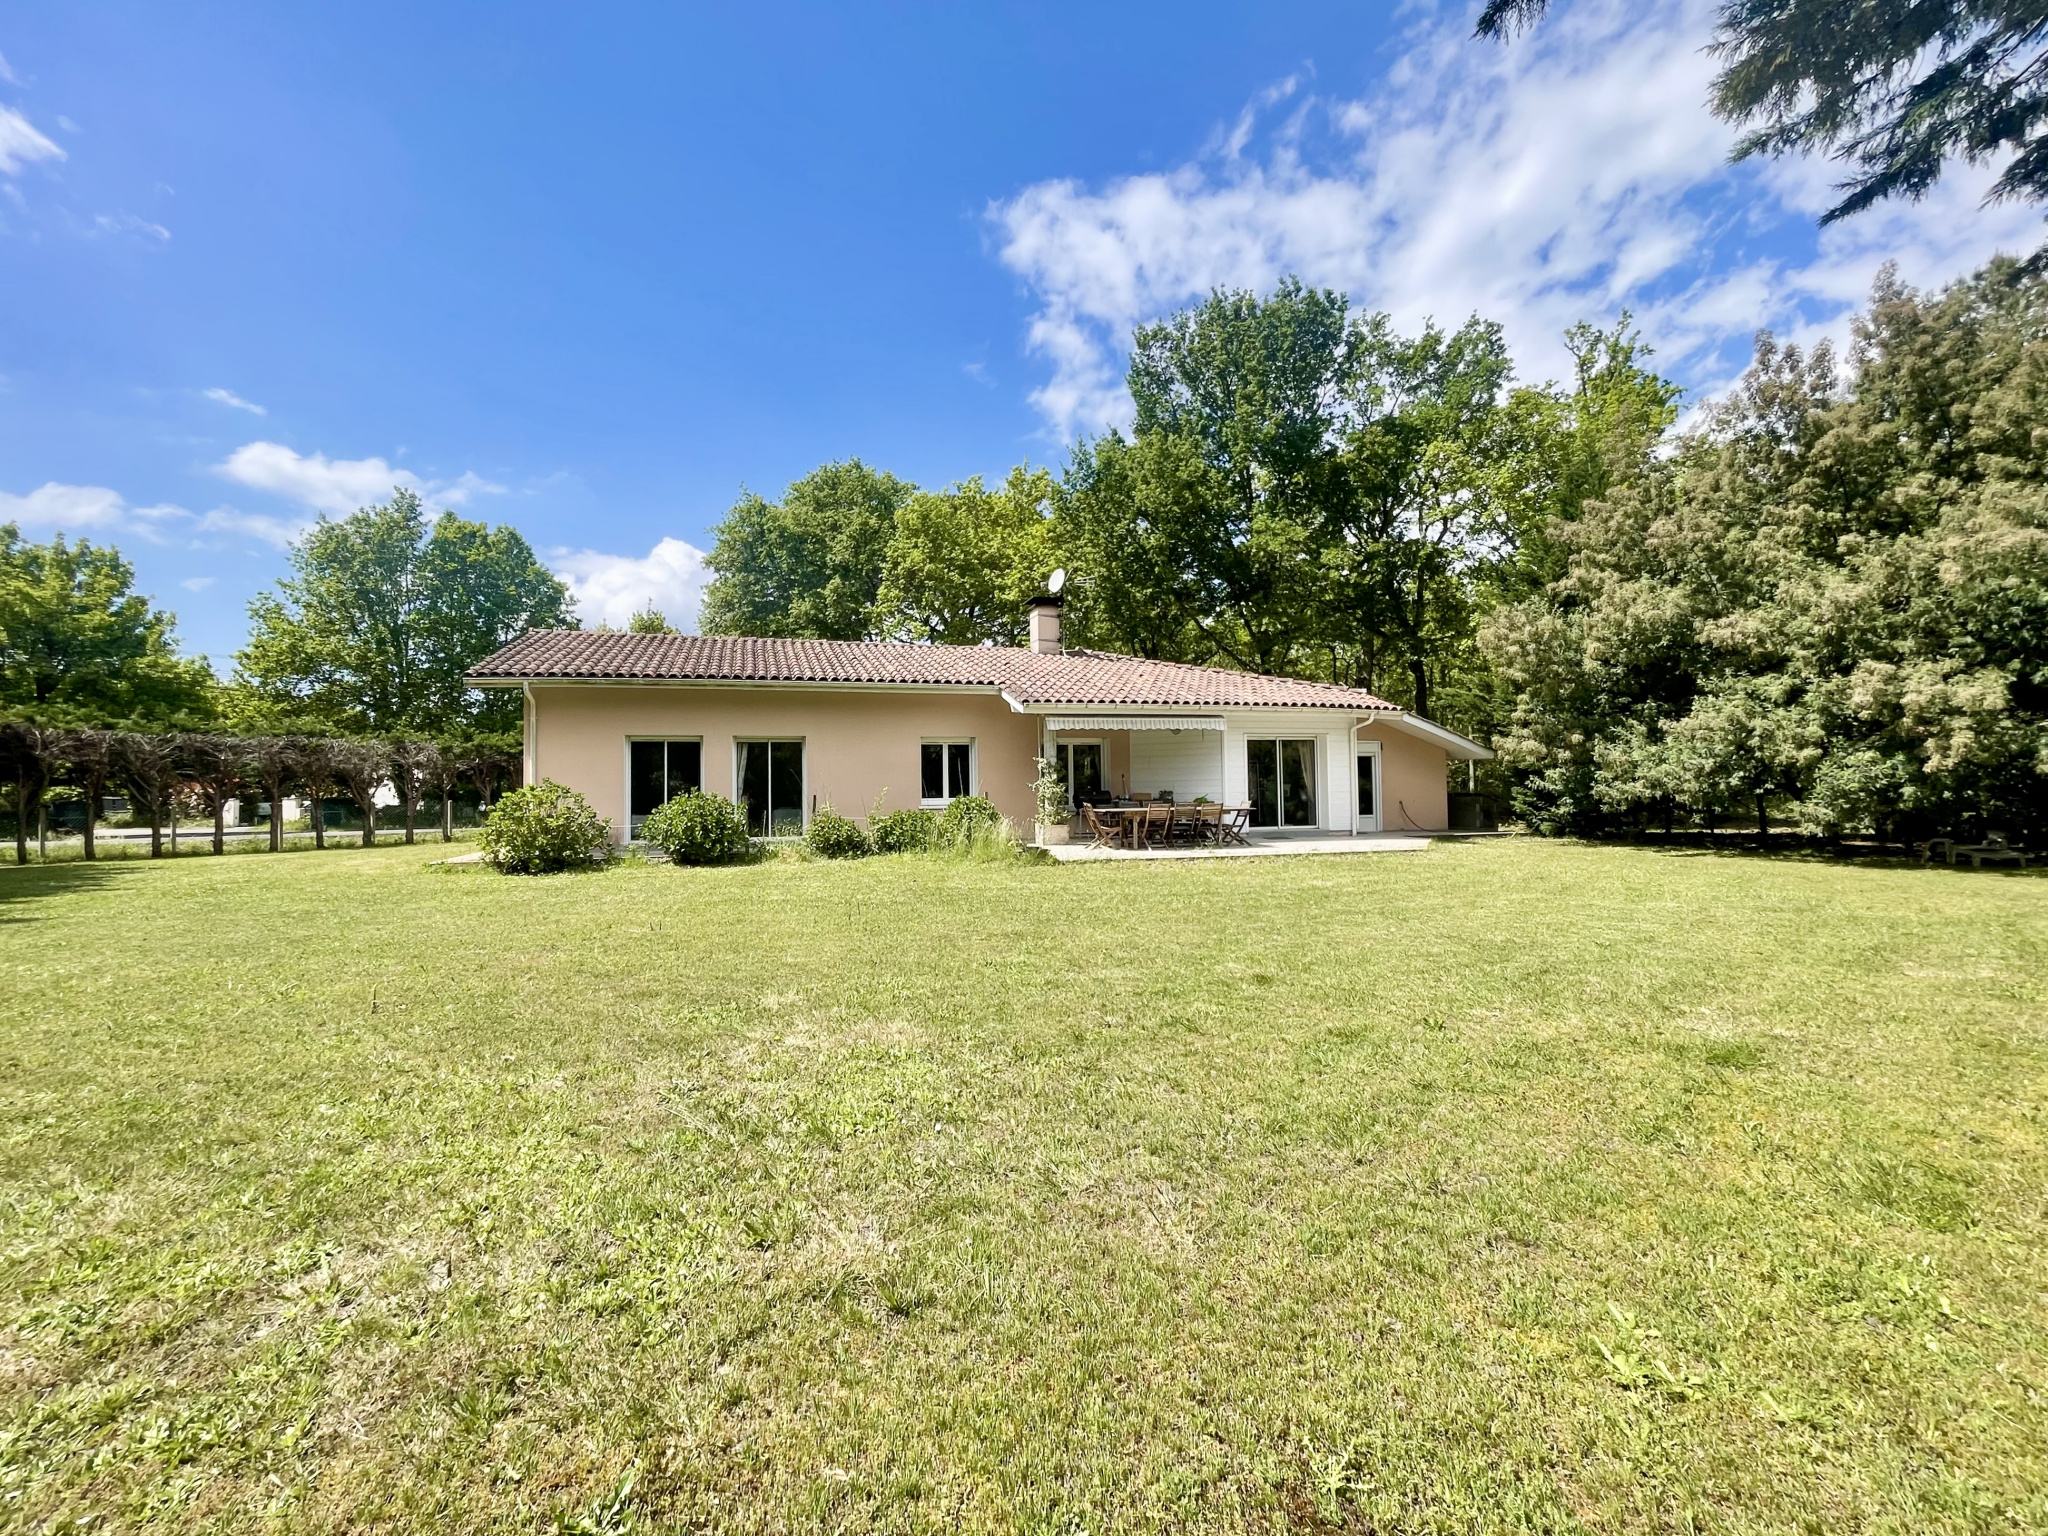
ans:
x=1414 y=791
x=857 y=745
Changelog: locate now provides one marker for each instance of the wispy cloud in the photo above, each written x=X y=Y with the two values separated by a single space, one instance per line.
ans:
x=610 y=589
x=1571 y=175
x=197 y=583
x=228 y=397
x=277 y=532
x=125 y=224
x=7 y=72
x=76 y=509
x=340 y=486
x=21 y=144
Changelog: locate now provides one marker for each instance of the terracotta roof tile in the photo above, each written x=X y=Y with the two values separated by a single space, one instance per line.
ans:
x=1092 y=678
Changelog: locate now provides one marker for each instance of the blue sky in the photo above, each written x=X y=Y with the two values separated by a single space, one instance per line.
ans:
x=591 y=269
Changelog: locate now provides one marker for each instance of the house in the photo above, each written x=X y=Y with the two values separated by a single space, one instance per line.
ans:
x=788 y=726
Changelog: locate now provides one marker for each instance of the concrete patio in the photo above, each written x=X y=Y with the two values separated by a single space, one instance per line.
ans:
x=1260 y=848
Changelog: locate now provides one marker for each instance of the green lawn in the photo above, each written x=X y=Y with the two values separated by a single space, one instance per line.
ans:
x=1505 y=1186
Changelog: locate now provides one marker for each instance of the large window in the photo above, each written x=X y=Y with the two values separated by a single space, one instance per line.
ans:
x=946 y=769
x=771 y=779
x=658 y=771
x=1084 y=769
x=1283 y=782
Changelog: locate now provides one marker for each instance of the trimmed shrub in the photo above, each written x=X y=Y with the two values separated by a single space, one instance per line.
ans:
x=831 y=836
x=967 y=819
x=903 y=831
x=542 y=829
x=696 y=828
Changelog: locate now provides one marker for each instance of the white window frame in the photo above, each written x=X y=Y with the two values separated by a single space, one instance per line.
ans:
x=1319 y=788
x=1375 y=751
x=803 y=803
x=973 y=767
x=626 y=770
x=1101 y=742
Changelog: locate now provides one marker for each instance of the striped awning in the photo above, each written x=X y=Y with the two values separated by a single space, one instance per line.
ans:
x=1134 y=723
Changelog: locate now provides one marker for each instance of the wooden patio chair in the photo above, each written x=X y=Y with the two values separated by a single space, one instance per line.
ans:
x=1106 y=834
x=1150 y=821
x=1231 y=827
x=1209 y=825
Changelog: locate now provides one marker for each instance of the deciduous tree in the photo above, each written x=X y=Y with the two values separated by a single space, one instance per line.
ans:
x=964 y=561
x=362 y=767
x=810 y=565
x=77 y=642
x=147 y=765
x=384 y=613
x=218 y=766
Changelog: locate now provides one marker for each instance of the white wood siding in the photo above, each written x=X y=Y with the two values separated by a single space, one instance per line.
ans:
x=1331 y=732
x=1189 y=763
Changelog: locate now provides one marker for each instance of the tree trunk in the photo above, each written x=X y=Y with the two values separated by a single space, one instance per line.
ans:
x=319 y=820
x=156 y=833
x=411 y=812
x=21 y=821
x=447 y=818
x=1763 y=820
x=42 y=833
x=277 y=818
x=92 y=823
x=369 y=804
x=1420 y=669
x=220 y=823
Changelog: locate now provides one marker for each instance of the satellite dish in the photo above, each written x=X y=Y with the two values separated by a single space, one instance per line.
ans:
x=1059 y=579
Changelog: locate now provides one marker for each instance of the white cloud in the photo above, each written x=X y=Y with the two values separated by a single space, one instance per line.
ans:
x=66 y=507
x=96 y=509
x=341 y=485
x=20 y=143
x=610 y=589
x=278 y=532
x=74 y=509
x=125 y=224
x=229 y=398
x=457 y=492
x=197 y=583
x=1567 y=176
x=6 y=71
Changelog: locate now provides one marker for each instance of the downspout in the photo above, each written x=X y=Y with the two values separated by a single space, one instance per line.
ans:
x=1351 y=769
x=530 y=721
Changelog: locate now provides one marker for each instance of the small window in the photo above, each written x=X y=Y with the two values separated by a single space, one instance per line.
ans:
x=658 y=771
x=946 y=770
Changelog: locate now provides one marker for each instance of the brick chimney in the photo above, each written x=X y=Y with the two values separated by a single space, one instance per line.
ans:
x=1045 y=625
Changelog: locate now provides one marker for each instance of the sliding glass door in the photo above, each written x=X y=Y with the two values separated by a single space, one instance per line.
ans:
x=658 y=771
x=1282 y=780
x=1084 y=769
x=771 y=779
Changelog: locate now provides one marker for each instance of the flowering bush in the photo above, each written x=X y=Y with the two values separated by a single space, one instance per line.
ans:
x=696 y=828
x=542 y=829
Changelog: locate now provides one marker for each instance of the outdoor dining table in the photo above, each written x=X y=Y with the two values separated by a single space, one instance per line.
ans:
x=1186 y=821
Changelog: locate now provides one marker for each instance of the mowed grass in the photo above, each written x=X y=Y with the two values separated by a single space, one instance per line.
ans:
x=1504 y=1186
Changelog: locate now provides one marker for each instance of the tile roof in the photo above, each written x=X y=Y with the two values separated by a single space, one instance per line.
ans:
x=1071 y=678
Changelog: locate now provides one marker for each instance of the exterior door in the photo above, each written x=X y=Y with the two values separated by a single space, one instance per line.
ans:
x=1367 y=806
x=771 y=779
x=1281 y=776
x=1084 y=766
